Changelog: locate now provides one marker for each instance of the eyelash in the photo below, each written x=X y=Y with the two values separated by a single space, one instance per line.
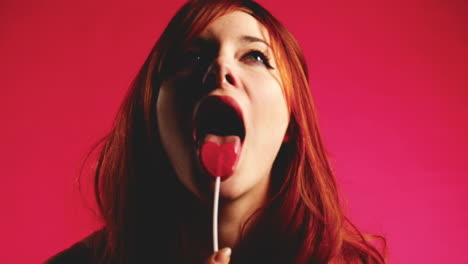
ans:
x=258 y=54
x=198 y=57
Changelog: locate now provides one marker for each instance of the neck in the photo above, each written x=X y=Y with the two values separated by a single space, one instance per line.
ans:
x=238 y=216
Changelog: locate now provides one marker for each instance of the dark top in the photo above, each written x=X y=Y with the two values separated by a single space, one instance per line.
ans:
x=89 y=250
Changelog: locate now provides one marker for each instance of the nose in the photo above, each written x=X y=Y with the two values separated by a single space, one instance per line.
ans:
x=219 y=74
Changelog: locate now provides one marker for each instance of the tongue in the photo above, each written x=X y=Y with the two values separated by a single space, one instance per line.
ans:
x=219 y=155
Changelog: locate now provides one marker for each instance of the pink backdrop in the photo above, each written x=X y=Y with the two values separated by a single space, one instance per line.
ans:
x=389 y=80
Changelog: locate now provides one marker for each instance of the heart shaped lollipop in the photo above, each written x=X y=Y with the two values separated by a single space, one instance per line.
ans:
x=219 y=160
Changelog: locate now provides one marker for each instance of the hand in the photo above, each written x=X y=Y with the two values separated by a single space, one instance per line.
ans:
x=220 y=257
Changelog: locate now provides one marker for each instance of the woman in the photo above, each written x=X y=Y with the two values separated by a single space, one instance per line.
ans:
x=222 y=72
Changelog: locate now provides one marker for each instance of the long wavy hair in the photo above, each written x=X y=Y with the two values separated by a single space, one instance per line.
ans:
x=143 y=205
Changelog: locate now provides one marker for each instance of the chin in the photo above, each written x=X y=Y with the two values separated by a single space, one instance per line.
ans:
x=241 y=186
x=231 y=191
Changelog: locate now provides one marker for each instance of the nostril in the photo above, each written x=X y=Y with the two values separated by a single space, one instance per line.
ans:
x=216 y=75
x=229 y=79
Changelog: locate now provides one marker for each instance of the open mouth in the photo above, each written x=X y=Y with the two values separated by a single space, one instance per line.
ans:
x=219 y=132
x=219 y=115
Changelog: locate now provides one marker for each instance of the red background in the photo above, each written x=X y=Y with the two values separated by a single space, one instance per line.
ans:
x=389 y=79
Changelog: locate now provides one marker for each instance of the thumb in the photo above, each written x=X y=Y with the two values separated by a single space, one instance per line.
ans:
x=221 y=256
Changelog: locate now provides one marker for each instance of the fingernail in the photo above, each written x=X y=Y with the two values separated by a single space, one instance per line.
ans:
x=223 y=255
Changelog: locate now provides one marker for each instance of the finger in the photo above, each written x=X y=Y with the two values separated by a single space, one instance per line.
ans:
x=221 y=256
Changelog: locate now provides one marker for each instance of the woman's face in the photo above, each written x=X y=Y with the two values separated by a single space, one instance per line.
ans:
x=231 y=57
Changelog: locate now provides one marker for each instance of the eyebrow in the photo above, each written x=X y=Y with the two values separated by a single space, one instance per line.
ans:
x=251 y=39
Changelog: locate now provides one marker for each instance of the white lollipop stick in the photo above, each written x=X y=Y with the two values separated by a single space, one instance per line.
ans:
x=215 y=214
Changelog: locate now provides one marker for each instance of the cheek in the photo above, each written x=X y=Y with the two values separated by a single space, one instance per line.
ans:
x=271 y=108
x=175 y=106
x=172 y=124
x=174 y=117
x=171 y=136
x=176 y=138
x=166 y=121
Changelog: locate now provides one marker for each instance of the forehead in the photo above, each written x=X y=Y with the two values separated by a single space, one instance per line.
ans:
x=234 y=25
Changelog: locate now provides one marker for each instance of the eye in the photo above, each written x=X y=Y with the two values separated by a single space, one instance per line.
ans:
x=192 y=58
x=192 y=61
x=256 y=56
x=201 y=58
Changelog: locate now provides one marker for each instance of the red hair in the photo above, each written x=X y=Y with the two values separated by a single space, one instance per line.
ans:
x=303 y=221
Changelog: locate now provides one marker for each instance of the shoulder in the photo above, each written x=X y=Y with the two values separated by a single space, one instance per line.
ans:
x=89 y=250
